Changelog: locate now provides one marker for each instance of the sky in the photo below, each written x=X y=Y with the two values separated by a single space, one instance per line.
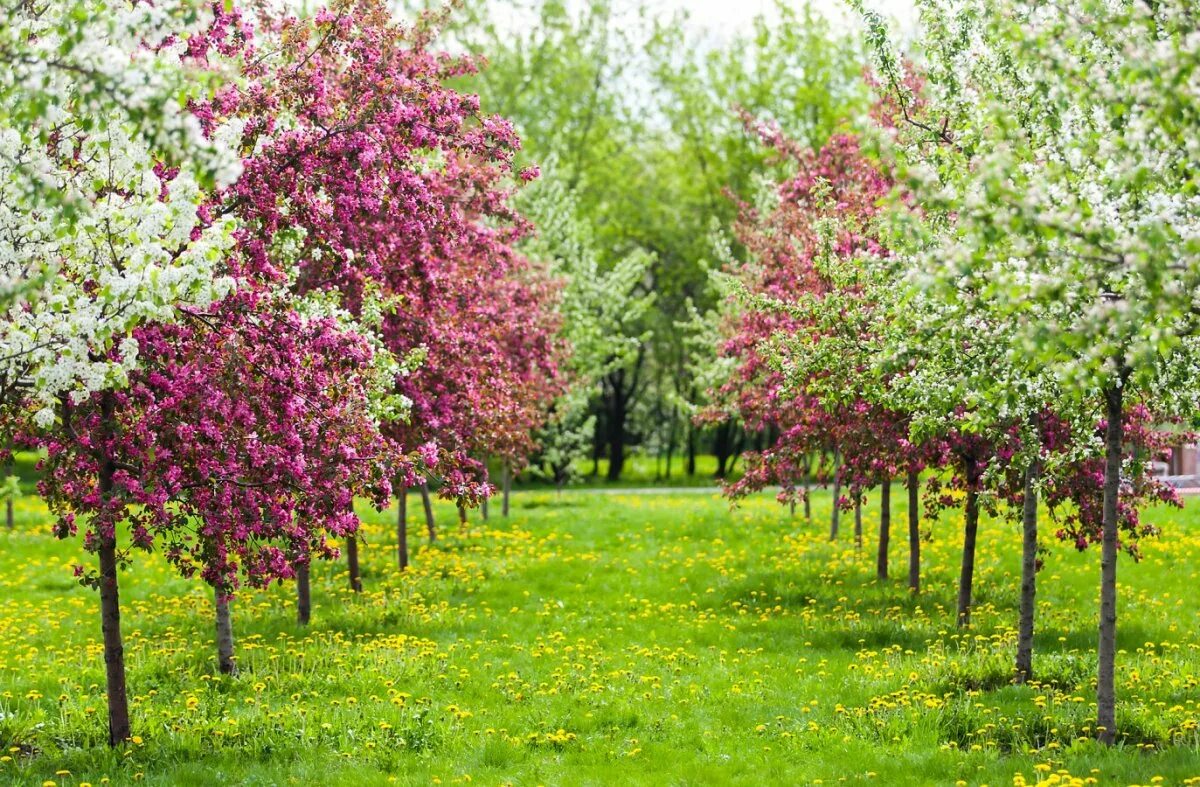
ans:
x=722 y=15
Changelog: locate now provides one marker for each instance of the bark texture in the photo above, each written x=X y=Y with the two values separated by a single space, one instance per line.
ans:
x=1029 y=545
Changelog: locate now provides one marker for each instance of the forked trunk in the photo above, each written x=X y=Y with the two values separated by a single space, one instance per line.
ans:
x=966 y=577
x=225 y=659
x=914 y=531
x=885 y=528
x=1029 y=547
x=1106 y=696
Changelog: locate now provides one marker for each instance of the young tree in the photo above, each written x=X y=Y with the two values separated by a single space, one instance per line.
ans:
x=1061 y=133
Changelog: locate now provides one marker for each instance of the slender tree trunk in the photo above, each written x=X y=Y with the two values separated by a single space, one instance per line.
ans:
x=506 y=479
x=691 y=451
x=110 y=603
x=914 y=531
x=858 y=539
x=808 y=491
x=114 y=648
x=402 y=528
x=967 y=576
x=9 y=520
x=885 y=528
x=462 y=518
x=352 y=563
x=429 y=523
x=483 y=509
x=1029 y=547
x=837 y=493
x=303 y=595
x=1106 y=695
x=226 y=662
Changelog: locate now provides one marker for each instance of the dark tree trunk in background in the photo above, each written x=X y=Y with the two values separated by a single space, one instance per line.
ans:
x=1029 y=547
x=616 y=437
x=352 y=564
x=110 y=602
x=914 y=531
x=506 y=481
x=429 y=523
x=1106 y=695
x=858 y=541
x=303 y=595
x=226 y=663
x=723 y=447
x=837 y=493
x=402 y=528
x=966 y=577
x=620 y=387
x=885 y=528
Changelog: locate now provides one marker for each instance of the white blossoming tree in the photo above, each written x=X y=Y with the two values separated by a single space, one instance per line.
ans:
x=102 y=169
x=1054 y=149
x=601 y=311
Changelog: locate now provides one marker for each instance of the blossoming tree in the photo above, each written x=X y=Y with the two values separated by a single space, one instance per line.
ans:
x=1056 y=134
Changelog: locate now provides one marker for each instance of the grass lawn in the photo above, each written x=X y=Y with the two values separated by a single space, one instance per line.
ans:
x=607 y=639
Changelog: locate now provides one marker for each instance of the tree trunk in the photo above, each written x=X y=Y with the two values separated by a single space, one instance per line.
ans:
x=303 y=595
x=858 y=541
x=1029 y=547
x=691 y=451
x=807 y=491
x=483 y=508
x=506 y=479
x=9 y=520
x=837 y=493
x=885 y=528
x=1106 y=696
x=462 y=518
x=914 y=531
x=723 y=447
x=967 y=576
x=352 y=563
x=226 y=662
x=429 y=523
x=110 y=603
x=616 y=428
x=402 y=528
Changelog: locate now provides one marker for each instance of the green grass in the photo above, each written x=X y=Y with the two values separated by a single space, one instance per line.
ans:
x=606 y=639
x=639 y=471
